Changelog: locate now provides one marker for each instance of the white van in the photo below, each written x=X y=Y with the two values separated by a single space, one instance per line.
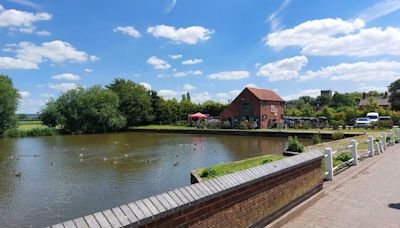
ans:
x=373 y=116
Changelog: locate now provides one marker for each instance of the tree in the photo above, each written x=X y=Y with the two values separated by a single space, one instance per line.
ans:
x=342 y=100
x=90 y=110
x=8 y=104
x=394 y=97
x=188 y=96
x=135 y=101
x=49 y=115
x=372 y=105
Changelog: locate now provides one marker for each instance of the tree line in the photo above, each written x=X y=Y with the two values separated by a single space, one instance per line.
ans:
x=342 y=108
x=117 y=106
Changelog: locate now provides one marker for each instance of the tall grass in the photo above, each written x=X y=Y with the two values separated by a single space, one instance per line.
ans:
x=41 y=131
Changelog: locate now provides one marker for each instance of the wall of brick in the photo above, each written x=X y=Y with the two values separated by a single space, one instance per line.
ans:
x=252 y=197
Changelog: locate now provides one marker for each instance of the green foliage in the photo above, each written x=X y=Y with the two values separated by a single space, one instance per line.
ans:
x=208 y=173
x=337 y=123
x=8 y=104
x=294 y=145
x=394 y=97
x=341 y=158
x=43 y=131
x=266 y=161
x=337 y=135
x=49 y=114
x=316 y=139
x=226 y=125
x=135 y=101
x=82 y=110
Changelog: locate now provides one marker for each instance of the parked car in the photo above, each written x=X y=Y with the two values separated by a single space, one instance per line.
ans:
x=385 y=121
x=373 y=116
x=363 y=122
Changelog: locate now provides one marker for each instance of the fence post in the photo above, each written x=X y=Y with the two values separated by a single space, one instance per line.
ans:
x=328 y=164
x=391 y=138
x=383 y=141
x=354 y=155
x=398 y=133
x=371 y=146
x=378 y=148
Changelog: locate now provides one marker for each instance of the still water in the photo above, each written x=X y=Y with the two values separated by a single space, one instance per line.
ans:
x=65 y=177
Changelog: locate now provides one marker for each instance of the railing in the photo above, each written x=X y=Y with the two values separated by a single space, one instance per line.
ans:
x=375 y=147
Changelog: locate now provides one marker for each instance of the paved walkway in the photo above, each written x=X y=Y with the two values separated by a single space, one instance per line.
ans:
x=364 y=196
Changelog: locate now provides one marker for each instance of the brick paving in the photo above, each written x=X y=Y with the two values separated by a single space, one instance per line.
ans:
x=367 y=195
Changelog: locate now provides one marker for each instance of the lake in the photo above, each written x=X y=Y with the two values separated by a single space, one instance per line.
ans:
x=65 y=177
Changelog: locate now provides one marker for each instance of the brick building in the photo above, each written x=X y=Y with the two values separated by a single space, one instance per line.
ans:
x=260 y=105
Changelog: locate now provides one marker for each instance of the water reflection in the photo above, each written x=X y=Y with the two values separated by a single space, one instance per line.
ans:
x=69 y=176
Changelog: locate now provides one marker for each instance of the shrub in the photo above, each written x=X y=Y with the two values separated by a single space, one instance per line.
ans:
x=208 y=172
x=316 y=139
x=337 y=123
x=337 y=135
x=341 y=158
x=307 y=124
x=382 y=124
x=16 y=133
x=294 y=145
x=226 y=125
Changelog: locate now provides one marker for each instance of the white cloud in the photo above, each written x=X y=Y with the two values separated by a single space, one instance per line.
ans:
x=63 y=87
x=311 y=32
x=274 y=19
x=372 y=88
x=379 y=9
x=367 y=42
x=43 y=33
x=16 y=18
x=308 y=92
x=283 y=69
x=189 y=35
x=129 y=30
x=251 y=86
x=30 y=106
x=200 y=97
x=87 y=70
x=26 y=3
x=24 y=94
x=235 y=92
x=46 y=95
x=56 y=51
x=358 y=71
x=11 y=63
x=171 y=6
x=158 y=64
x=67 y=76
x=188 y=87
x=192 y=61
x=185 y=73
x=177 y=56
x=167 y=94
x=145 y=85
x=224 y=97
x=230 y=75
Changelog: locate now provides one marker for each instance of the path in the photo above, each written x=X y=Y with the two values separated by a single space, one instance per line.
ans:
x=367 y=195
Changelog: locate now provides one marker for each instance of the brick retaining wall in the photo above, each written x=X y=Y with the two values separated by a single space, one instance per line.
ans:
x=252 y=197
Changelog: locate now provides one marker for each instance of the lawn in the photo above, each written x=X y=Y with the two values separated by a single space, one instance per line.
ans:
x=227 y=168
x=28 y=125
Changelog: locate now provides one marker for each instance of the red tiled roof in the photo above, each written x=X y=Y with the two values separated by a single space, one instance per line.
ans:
x=265 y=94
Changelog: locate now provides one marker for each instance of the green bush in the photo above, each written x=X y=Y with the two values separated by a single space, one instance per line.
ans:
x=337 y=135
x=307 y=124
x=226 y=125
x=316 y=139
x=294 y=145
x=337 y=123
x=341 y=158
x=208 y=172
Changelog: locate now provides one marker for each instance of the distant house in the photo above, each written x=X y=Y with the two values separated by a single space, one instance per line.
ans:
x=383 y=102
x=262 y=106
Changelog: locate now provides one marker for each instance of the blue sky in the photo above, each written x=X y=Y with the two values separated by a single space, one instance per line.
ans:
x=213 y=49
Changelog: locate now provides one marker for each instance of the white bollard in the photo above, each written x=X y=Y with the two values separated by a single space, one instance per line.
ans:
x=328 y=164
x=383 y=140
x=398 y=134
x=391 y=138
x=354 y=154
x=371 y=146
x=378 y=148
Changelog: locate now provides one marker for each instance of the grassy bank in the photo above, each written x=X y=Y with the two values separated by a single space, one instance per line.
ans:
x=227 y=168
x=31 y=132
x=28 y=125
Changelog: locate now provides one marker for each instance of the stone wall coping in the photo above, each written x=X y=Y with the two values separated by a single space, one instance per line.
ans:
x=153 y=208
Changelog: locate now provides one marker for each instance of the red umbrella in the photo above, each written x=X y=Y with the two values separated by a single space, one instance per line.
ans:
x=199 y=115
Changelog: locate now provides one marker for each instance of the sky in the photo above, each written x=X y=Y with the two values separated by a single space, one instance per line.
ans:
x=212 y=49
